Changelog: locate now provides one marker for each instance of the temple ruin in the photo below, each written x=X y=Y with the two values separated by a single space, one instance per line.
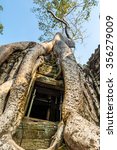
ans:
x=45 y=97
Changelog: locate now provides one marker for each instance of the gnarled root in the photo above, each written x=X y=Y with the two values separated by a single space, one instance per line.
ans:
x=81 y=134
x=80 y=129
x=7 y=143
x=7 y=50
x=4 y=89
x=57 y=138
x=38 y=63
x=14 y=109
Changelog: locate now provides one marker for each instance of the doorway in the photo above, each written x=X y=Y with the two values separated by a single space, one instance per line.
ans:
x=45 y=103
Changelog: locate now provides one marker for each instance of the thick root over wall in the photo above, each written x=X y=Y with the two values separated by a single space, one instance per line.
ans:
x=80 y=111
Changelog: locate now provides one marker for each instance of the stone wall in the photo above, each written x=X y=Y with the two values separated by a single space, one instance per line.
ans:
x=93 y=65
x=35 y=133
x=92 y=74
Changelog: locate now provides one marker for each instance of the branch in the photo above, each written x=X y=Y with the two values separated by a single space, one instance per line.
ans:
x=62 y=21
x=78 y=5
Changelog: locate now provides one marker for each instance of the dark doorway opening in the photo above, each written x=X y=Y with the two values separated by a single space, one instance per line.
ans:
x=45 y=103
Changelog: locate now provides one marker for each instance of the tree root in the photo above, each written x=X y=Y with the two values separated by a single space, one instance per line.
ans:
x=14 y=109
x=4 y=89
x=81 y=134
x=38 y=63
x=7 y=143
x=57 y=138
x=7 y=50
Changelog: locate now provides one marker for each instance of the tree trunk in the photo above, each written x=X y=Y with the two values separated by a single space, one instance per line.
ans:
x=80 y=110
x=75 y=109
x=14 y=109
x=80 y=134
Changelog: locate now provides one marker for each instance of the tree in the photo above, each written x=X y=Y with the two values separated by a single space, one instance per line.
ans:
x=58 y=15
x=18 y=65
x=1 y=26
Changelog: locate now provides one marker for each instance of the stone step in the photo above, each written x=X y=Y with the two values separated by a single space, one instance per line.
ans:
x=35 y=133
x=34 y=144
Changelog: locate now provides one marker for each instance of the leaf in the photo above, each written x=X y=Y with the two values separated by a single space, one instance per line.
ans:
x=75 y=12
x=1 y=29
x=49 y=5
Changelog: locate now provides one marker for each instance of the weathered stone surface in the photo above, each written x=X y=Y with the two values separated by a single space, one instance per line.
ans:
x=33 y=144
x=93 y=66
x=34 y=133
x=63 y=147
x=58 y=84
x=75 y=129
x=76 y=104
x=80 y=104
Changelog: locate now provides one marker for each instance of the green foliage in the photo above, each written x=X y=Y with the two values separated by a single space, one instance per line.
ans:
x=1 y=26
x=74 y=12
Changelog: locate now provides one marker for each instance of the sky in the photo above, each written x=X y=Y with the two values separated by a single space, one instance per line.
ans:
x=20 y=24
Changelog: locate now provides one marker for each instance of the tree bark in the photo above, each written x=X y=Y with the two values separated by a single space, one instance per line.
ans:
x=14 y=109
x=80 y=110
x=57 y=138
x=7 y=50
x=4 y=89
x=80 y=134
x=75 y=110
